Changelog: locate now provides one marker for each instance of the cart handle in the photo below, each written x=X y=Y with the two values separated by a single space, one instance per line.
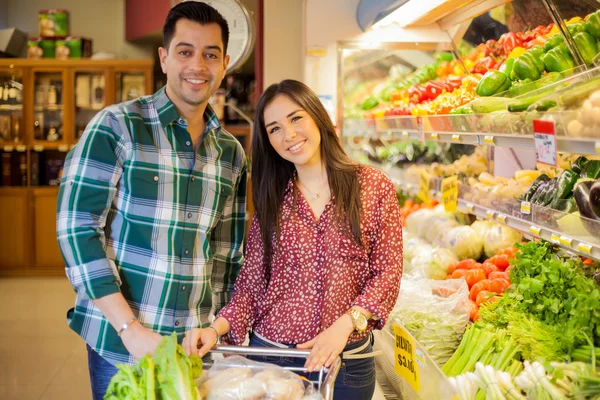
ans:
x=261 y=351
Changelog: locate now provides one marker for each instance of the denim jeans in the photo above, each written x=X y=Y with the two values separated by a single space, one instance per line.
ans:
x=101 y=372
x=355 y=381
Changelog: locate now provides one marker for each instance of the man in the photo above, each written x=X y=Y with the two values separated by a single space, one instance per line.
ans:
x=151 y=207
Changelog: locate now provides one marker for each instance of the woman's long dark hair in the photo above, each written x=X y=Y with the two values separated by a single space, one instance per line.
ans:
x=271 y=173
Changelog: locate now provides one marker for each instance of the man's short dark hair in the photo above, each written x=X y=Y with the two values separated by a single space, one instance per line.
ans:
x=198 y=12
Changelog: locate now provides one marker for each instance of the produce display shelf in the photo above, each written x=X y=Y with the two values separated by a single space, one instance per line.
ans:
x=531 y=225
x=565 y=144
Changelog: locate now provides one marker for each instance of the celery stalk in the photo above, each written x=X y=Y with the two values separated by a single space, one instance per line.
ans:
x=487 y=340
x=454 y=367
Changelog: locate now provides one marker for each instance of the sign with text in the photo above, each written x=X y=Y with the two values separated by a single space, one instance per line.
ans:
x=545 y=142
x=424 y=184
x=450 y=193
x=406 y=361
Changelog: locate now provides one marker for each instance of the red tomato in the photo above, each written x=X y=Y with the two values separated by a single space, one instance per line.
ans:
x=507 y=270
x=476 y=317
x=488 y=267
x=478 y=287
x=500 y=261
x=499 y=275
x=499 y=285
x=459 y=273
x=466 y=264
x=473 y=310
x=452 y=268
x=483 y=297
x=475 y=275
x=510 y=252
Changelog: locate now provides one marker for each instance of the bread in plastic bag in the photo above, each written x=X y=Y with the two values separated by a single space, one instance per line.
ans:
x=500 y=237
x=436 y=313
x=464 y=241
x=237 y=378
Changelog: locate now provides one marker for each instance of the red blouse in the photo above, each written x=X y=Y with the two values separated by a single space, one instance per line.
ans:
x=317 y=273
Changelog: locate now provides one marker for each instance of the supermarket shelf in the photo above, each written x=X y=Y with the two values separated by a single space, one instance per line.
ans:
x=11 y=107
x=523 y=223
x=58 y=107
x=12 y=146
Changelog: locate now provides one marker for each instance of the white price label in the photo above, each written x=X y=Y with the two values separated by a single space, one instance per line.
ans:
x=555 y=239
x=405 y=135
x=456 y=138
x=565 y=240
x=470 y=207
x=8 y=148
x=489 y=214
x=534 y=230
x=38 y=147
x=526 y=207
x=501 y=218
x=63 y=148
x=545 y=142
x=435 y=136
x=584 y=247
x=21 y=148
x=489 y=139
x=597 y=146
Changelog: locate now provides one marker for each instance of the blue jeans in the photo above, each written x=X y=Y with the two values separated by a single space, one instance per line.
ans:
x=101 y=372
x=355 y=381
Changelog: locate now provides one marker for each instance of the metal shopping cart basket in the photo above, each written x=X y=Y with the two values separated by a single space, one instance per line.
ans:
x=326 y=376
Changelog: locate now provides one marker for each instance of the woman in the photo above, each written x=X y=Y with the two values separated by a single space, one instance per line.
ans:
x=324 y=254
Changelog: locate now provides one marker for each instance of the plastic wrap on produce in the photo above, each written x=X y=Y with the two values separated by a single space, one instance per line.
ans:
x=436 y=313
x=500 y=237
x=482 y=227
x=430 y=262
x=237 y=378
x=464 y=241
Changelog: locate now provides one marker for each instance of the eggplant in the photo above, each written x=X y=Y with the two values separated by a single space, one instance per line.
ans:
x=589 y=218
x=535 y=186
x=595 y=197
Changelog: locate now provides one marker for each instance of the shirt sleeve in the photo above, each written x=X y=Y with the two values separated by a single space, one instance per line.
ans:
x=88 y=186
x=227 y=241
x=250 y=288
x=381 y=291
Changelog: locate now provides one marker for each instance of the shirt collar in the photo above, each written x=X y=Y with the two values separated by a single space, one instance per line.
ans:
x=167 y=112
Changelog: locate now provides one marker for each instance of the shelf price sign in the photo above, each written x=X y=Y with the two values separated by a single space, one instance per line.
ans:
x=450 y=193
x=406 y=361
x=424 y=185
x=545 y=142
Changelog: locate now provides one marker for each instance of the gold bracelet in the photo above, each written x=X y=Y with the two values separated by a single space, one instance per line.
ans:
x=125 y=326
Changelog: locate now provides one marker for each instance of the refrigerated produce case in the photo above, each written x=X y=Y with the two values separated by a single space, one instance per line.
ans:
x=444 y=97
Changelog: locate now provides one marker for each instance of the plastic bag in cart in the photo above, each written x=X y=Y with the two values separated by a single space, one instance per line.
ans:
x=237 y=378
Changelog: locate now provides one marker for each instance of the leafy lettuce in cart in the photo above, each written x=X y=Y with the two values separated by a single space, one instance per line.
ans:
x=169 y=375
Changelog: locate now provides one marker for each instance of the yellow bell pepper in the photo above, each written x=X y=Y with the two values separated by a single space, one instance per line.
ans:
x=553 y=31
x=574 y=20
x=516 y=52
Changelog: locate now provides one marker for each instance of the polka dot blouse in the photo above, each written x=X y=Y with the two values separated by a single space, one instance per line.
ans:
x=317 y=273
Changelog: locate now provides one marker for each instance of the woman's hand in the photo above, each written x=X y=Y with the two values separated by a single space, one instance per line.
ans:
x=328 y=344
x=206 y=337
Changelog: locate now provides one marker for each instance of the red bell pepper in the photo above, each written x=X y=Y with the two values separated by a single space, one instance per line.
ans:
x=492 y=47
x=417 y=94
x=483 y=65
x=512 y=40
x=433 y=89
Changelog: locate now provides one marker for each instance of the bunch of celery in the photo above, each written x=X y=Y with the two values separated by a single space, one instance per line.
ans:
x=485 y=344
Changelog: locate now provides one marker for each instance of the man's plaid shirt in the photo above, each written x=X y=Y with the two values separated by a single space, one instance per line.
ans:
x=141 y=212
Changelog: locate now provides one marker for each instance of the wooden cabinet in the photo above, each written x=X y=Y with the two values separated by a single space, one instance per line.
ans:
x=44 y=107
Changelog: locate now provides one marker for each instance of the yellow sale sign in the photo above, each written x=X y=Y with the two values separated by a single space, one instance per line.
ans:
x=406 y=365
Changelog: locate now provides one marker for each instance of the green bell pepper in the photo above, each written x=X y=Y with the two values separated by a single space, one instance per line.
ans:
x=369 y=103
x=530 y=64
x=553 y=42
x=578 y=164
x=591 y=170
x=492 y=82
x=565 y=185
x=587 y=46
x=443 y=56
x=507 y=67
x=592 y=25
x=559 y=59
x=575 y=28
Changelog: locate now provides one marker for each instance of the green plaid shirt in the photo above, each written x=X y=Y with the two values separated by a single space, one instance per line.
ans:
x=141 y=212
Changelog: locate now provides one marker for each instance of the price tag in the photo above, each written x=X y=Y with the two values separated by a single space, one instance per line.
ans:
x=38 y=147
x=501 y=218
x=597 y=146
x=21 y=148
x=555 y=239
x=456 y=138
x=470 y=207
x=584 y=247
x=8 y=148
x=450 y=193
x=435 y=136
x=545 y=142
x=526 y=207
x=423 y=186
x=421 y=129
x=406 y=359
x=534 y=230
x=489 y=214
x=63 y=147
x=489 y=139
x=565 y=240
x=405 y=135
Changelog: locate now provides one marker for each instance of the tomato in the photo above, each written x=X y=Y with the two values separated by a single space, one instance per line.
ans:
x=499 y=285
x=459 y=273
x=510 y=268
x=500 y=261
x=478 y=287
x=476 y=317
x=499 y=275
x=473 y=310
x=475 y=275
x=488 y=268
x=452 y=268
x=510 y=252
x=483 y=297
x=466 y=264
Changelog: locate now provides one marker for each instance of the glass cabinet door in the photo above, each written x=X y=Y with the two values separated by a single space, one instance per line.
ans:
x=129 y=86
x=11 y=106
x=89 y=98
x=48 y=106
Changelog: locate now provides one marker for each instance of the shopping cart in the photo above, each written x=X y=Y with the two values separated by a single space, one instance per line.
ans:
x=326 y=376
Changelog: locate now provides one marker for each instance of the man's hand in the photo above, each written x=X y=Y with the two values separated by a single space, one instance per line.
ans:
x=206 y=337
x=328 y=344
x=139 y=340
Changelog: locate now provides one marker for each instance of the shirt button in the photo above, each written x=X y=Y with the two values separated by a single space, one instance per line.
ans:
x=188 y=143
x=156 y=179
x=189 y=215
x=183 y=288
x=193 y=178
x=181 y=121
x=187 y=252
x=176 y=323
